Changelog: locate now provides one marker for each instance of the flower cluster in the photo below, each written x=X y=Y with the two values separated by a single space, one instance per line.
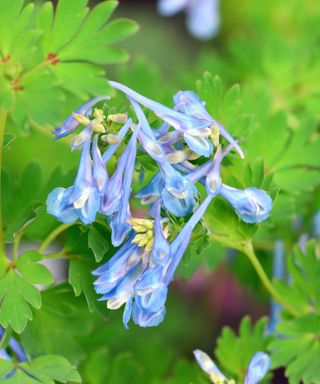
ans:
x=139 y=273
x=203 y=17
x=257 y=369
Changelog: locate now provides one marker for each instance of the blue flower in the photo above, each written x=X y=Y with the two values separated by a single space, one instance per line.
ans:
x=252 y=205
x=208 y=366
x=178 y=120
x=73 y=121
x=82 y=201
x=190 y=104
x=194 y=122
x=119 y=222
x=203 y=18
x=258 y=367
x=152 y=191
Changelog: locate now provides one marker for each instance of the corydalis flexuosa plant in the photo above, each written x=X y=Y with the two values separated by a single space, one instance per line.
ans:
x=139 y=273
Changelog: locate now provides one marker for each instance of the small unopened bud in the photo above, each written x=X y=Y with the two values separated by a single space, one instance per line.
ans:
x=111 y=139
x=214 y=135
x=118 y=118
x=81 y=118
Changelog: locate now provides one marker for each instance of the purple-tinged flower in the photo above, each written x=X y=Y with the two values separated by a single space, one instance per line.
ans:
x=119 y=222
x=178 y=120
x=190 y=104
x=189 y=117
x=140 y=272
x=252 y=205
x=73 y=121
x=258 y=367
x=203 y=17
x=176 y=186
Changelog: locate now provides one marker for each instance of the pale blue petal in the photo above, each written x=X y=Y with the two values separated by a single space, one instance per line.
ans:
x=252 y=205
x=180 y=207
x=200 y=145
x=146 y=319
x=100 y=174
x=151 y=192
x=161 y=248
x=127 y=313
x=58 y=205
x=178 y=120
x=203 y=19
x=208 y=366
x=171 y=7
x=258 y=367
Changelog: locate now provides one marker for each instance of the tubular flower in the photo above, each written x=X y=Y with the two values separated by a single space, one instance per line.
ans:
x=77 y=118
x=252 y=205
x=257 y=369
x=139 y=273
x=203 y=18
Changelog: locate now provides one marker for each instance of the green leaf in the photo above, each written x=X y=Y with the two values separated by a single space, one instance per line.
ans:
x=98 y=243
x=119 y=30
x=81 y=280
x=59 y=327
x=17 y=296
x=298 y=349
x=235 y=352
x=22 y=200
x=303 y=290
x=54 y=368
x=33 y=271
x=5 y=368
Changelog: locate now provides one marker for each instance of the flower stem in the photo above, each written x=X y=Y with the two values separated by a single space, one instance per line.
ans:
x=52 y=235
x=249 y=252
x=16 y=244
x=3 y=120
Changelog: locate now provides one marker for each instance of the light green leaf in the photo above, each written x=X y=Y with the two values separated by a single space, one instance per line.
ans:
x=33 y=271
x=5 y=368
x=235 y=352
x=98 y=242
x=54 y=368
x=16 y=296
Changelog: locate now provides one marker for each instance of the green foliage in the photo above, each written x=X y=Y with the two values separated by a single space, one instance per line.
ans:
x=98 y=242
x=235 y=352
x=17 y=291
x=17 y=296
x=63 y=65
x=298 y=347
x=47 y=369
